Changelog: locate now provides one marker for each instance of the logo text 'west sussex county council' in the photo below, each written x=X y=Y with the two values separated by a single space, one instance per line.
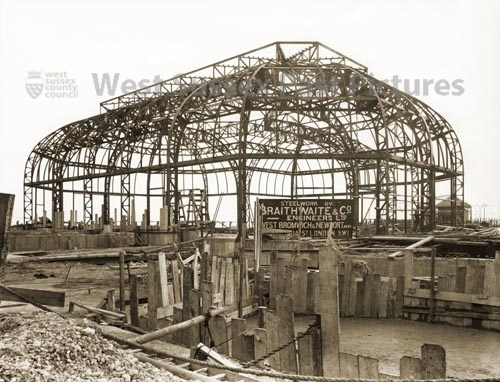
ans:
x=51 y=85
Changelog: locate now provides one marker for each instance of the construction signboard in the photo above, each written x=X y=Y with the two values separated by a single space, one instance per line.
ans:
x=309 y=217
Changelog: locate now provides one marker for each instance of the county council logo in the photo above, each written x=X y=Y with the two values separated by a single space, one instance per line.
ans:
x=51 y=85
x=34 y=83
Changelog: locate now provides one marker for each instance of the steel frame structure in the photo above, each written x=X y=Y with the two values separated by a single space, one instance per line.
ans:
x=289 y=119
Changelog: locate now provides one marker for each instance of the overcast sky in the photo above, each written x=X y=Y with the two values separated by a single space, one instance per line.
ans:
x=142 y=39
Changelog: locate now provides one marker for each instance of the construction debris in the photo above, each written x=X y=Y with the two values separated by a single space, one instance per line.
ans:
x=42 y=346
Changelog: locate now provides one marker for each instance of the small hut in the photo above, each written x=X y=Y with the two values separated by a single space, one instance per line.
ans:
x=443 y=212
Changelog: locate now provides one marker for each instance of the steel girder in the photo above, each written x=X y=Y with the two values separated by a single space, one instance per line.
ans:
x=276 y=135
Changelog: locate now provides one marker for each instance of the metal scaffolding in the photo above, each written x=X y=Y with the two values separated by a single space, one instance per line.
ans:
x=289 y=119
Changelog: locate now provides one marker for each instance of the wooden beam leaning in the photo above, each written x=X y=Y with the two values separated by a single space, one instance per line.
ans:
x=176 y=327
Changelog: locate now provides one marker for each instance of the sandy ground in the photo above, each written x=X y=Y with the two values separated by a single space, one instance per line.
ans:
x=470 y=352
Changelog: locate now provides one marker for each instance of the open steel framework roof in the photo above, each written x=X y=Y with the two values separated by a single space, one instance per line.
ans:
x=292 y=119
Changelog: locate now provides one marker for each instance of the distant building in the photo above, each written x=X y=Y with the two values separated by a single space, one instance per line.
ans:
x=443 y=212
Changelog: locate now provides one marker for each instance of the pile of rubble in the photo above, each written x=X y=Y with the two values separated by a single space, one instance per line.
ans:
x=44 y=347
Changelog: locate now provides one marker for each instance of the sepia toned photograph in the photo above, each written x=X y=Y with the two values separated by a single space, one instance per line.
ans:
x=265 y=191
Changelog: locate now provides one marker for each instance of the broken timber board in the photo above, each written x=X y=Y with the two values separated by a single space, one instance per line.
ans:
x=41 y=296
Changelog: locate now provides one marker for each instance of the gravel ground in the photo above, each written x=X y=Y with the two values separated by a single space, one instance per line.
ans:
x=41 y=346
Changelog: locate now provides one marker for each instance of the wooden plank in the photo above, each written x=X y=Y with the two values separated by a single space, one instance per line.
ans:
x=410 y=368
x=460 y=279
x=122 y=280
x=175 y=282
x=187 y=286
x=478 y=280
x=344 y=309
x=369 y=281
x=497 y=273
x=352 y=297
x=340 y=292
x=489 y=278
x=230 y=297
x=272 y=329
x=286 y=332
x=110 y=300
x=162 y=265
x=455 y=297
x=330 y=326
x=469 y=276
x=44 y=297
x=309 y=352
x=195 y=331
x=273 y=280
x=238 y=327
x=260 y=343
x=408 y=268
x=134 y=301
x=433 y=361
x=375 y=296
x=219 y=330
x=382 y=304
x=398 y=309
x=152 y=295
x=311 y=284
x=177 y=337
x=206 y=303
x=217 y=261
x=349 y=366
x=248 y=347
x=360 y=298
x=213 y=271
x=442 y=283
x=295 y=289
x=222 y=284
x=280 y=274
x=368 y=367
x=391 y=297
x=303 y=272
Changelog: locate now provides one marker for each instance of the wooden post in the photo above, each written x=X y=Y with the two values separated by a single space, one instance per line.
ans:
x=310 y=354
x=329 y=309
x=408 y=259
x=111 y=304
x=122 y=281
x=195 y=330
x=347 y=283
x=187 y=286
x=238 y=327
x=410 y=368
x=497 y=273
x=134 y=301
x=206 y=302
x=272 y=328
x=152 y=295
x=349 y=366
x=432 y=301
x=218 y=328
x=286 y=332
x=433 y=362
x=261 y=320
x=302 y=282
x=162 y=263
x=175 y=282
x=273 y=281
x=368 y=367
x=260 y=343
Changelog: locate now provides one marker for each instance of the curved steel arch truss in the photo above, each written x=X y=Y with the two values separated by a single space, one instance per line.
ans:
x=290 y=119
